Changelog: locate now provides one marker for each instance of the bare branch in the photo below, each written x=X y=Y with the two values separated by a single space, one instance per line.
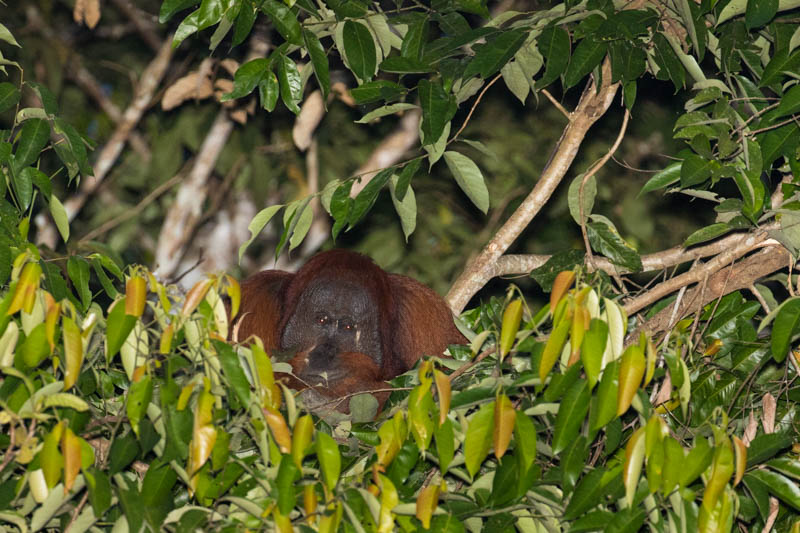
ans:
x=731 y=278
x=594 y=102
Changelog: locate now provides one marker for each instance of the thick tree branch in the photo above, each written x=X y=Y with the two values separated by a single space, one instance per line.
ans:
x=594 y=102
x=731 y=278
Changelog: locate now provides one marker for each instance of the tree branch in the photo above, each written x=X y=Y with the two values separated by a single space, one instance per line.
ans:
x=731 y=278
x=594 y=102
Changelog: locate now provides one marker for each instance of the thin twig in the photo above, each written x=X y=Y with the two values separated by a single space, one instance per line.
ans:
x=555 y=103
x=592 y=171
x=472 y=109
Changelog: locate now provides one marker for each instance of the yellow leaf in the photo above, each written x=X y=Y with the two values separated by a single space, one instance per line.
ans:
x=631 y=371
x=280 y=431
x=71 y=448
x=310 y=503
x=25 y=290
x=512 y=316
x=650 y=348
x=186 y=393
x=580 y=323
x=234 y=292
x=390 y=443
x=50 y=458
x=73 y=352
x=741 y=459
x=282 y=523
x=51 y=319
x=329 y=523
x=553 y=347
x=200 y=447
x=443 y=394
x=427 y=500
x=135 y=296
x=301 y=439
x=632 y=467
x=165 y=345
x=504 y=418
x=195 y=296
x=561 y=284
x=389 y=500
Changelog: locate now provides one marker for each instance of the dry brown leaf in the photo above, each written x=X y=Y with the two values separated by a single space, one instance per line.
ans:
x=87 y=12
x=750 y=430
x=768 y=416
x=665 y=392
x=308 y=119
x=192 y=86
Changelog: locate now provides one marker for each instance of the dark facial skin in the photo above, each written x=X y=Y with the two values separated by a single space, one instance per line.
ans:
x=332 y=317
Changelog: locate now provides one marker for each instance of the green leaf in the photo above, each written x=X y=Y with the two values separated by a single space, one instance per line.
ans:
x=373 y=91
x=285 y=21
x=587 y=55
x=319 y=60
x=779 y=486
x=592 y=349
x=406 y=208
x=35 y=348
x=158 y=483
x=244 y=23
x=525 y=439
x=491 y=57
x=695 y=462
x=766 y=445
x=784 y=327
x=330 y=461
x=78 y=271
x=139 y=395
x=782 y=61
x=695 y=170
x=75 y=143
x=478 y=439
x=415 y=38
x=546 y=274
x=790 y=103
x=607 y=241
x=670 y=67
x=169 y=8
x=469 y=178
x=123 y=451
x=586 y=494
x=247 y=77
x=574 y=198
x=9 y=96
x=604 y=404
x=366 y=198
x=268 y=91
x=132 y=505
x=778 y=142
x=288 y=473
x=385 y=110
x=32 y=140
x=571 y=414
x=438 y=108
x=291 y=84
x=759 y=12
x=119 y=326
x=404 y=179
x=99 y=490
x=706 y=234
x=232 y=369
x=359 y=48
x=445 y=444
x=554 y=46
x=23 y=187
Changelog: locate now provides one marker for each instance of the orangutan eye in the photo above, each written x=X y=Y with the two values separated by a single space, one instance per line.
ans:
x=323 y=319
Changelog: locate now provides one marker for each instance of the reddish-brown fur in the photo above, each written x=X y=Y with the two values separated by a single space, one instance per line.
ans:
x=414 y=320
